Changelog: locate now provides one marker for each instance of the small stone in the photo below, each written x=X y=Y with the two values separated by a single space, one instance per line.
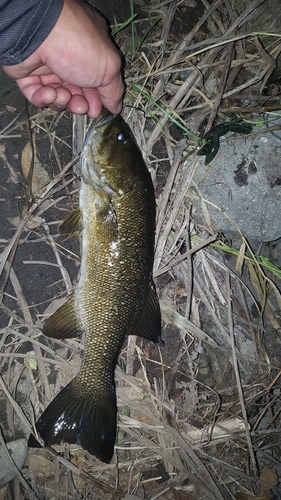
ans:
x=18 y=451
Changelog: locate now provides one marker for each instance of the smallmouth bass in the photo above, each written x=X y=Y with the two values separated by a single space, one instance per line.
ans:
x=115 y=295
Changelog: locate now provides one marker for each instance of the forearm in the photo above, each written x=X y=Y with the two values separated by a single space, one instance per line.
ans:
x=24 y=25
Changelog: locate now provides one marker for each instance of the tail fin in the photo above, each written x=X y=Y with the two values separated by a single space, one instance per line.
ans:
x=79 y=419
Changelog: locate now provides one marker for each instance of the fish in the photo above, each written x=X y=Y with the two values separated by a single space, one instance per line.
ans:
x=115 y=295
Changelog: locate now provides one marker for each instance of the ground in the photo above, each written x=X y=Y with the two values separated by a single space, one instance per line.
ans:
x=199 y=416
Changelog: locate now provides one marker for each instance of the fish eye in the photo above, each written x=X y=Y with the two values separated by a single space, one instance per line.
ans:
x=121 y=137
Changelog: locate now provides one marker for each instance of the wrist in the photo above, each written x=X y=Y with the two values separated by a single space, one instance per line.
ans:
x=24 y=26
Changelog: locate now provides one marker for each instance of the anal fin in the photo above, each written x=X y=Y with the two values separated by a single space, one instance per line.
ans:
x=149 y=324
x=64 y=323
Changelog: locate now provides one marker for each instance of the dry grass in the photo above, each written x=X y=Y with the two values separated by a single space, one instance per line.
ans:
x=198 y=418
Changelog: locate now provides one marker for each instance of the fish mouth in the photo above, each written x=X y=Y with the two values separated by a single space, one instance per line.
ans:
x=104 y=118
x=91 y=162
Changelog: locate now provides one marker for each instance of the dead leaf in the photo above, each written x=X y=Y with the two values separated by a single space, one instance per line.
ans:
x=40 y=176
x=240 y=258
x=11 y=109
x=265 y=495
x=33 y=222
x=173 y=494
x=267 y=475
x=4 y=492
x=13 y=177
x=31 y=362
x=39 y=463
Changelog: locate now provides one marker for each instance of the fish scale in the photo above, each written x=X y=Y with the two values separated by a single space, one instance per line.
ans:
x=115 y=295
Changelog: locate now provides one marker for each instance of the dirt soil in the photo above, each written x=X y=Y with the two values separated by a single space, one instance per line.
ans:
x=214 y=304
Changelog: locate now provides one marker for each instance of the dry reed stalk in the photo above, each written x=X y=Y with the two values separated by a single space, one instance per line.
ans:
x=156 y=403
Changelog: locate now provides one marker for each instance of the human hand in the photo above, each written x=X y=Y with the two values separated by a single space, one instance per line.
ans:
x=77 y=67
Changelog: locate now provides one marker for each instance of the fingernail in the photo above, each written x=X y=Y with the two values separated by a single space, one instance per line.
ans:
x=119 y=108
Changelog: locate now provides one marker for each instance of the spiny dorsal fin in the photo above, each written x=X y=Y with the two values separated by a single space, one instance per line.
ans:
x=64 y=323
x=149 y=324
x=72 y=223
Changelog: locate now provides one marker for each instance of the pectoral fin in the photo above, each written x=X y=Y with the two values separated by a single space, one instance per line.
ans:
x=72 y=223
x=149 y=324
x=64 y=323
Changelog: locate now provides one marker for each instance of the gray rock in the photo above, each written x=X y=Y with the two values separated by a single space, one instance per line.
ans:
x=18 y=451
x=244 y=182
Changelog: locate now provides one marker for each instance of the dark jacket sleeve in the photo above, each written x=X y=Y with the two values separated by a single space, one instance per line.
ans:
x=24 y=25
